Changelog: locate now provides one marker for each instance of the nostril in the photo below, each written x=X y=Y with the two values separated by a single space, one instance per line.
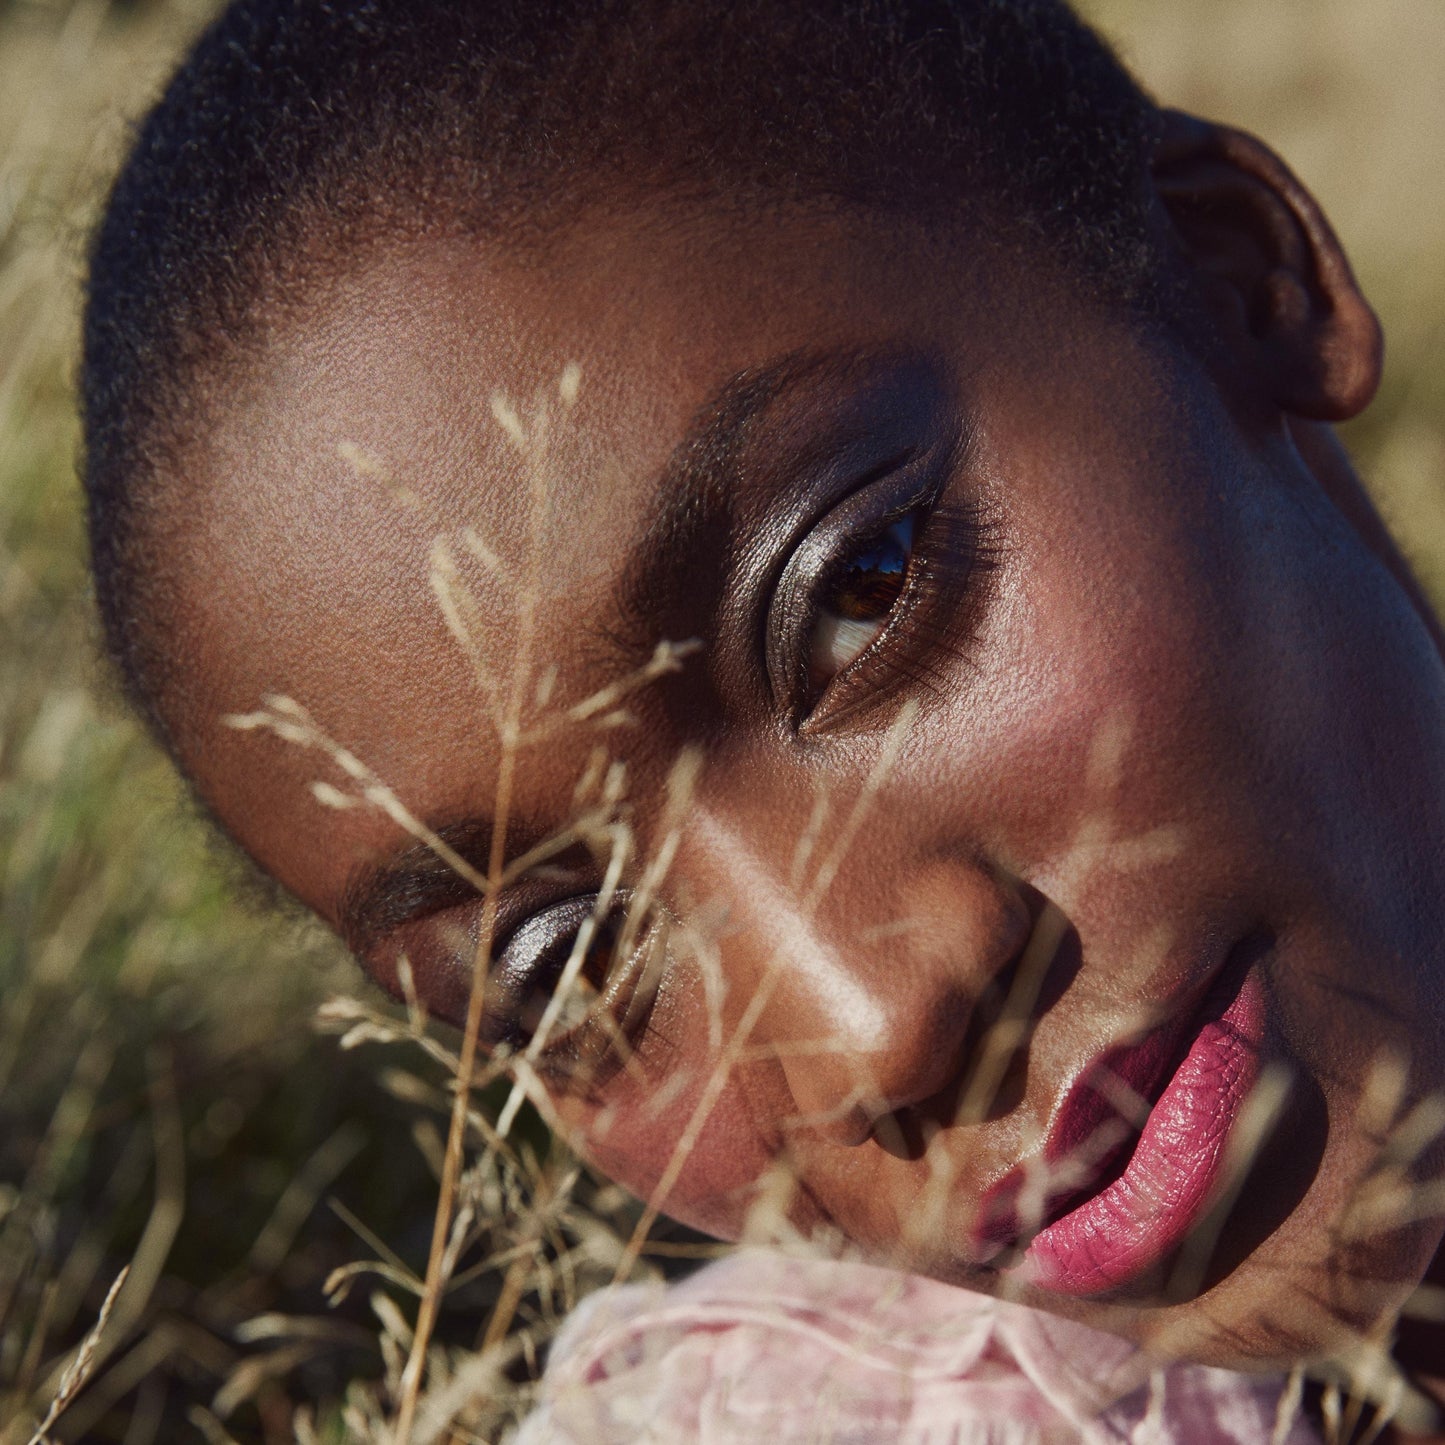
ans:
x=905 y=1134
x=988 y=1073
x=1006 y=1015
x=893 y=1072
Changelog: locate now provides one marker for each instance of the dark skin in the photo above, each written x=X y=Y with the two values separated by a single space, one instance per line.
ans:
x=1157 y=681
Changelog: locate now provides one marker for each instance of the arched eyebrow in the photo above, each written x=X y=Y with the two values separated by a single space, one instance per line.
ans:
x=415 y=881
x=690 y=511
x=382 y=896
x=692 y=500
x=671 y=581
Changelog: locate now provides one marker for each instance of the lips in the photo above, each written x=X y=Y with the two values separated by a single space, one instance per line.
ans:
x=1111 y=1226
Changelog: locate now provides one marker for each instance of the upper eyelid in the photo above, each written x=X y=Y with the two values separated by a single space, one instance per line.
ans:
x=441 y=933
x=583 y=906
x=457 y=952
x=935 y=449
x=907 y=503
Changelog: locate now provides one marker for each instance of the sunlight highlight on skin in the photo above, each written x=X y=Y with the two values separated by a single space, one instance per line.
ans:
x=812 y=964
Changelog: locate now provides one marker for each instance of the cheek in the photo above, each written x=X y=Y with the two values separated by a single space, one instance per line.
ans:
x=1102 y=714
x=1111 y=653
x=693 y=1151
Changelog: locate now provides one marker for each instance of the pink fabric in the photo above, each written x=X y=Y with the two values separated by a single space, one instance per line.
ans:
x=761 y=1347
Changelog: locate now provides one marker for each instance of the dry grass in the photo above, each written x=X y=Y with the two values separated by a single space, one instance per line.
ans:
x=189 y=1130
x=165 y=1106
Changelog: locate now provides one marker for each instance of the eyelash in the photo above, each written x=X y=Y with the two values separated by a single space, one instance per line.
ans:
x=954 y=545
x=581 y=1057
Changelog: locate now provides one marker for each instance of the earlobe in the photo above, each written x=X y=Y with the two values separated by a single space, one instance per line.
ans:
x=1270 y=268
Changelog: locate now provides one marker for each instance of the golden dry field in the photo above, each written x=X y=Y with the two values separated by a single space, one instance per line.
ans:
x=167 y=1102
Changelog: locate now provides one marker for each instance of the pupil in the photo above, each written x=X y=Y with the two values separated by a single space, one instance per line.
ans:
x=871 y=580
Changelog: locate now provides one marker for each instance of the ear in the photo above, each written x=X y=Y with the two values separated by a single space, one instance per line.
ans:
x=1269 y=268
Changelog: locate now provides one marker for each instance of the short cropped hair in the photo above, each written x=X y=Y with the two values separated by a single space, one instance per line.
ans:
x=297 y=129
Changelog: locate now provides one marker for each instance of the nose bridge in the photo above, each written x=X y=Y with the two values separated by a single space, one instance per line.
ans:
x=784 y=947
x=863 y=992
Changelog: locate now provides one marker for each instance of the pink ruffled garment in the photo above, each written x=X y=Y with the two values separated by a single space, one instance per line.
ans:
x=771 y=1350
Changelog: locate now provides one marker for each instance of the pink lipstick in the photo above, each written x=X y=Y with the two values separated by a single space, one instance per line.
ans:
x=1174 y=1173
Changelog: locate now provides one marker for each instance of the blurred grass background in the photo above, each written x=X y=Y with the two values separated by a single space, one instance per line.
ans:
x=163 y=1098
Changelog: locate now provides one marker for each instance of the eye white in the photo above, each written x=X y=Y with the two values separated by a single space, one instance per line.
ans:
x=837 y=641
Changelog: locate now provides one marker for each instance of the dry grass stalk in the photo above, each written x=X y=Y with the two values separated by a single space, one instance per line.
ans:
x=430 y=1393
x=78 y=1371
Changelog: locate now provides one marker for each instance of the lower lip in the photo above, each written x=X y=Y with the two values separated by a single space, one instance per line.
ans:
x=1174 y=1173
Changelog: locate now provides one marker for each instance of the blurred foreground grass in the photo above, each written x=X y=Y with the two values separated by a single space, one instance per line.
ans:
x=161 y=1094
x=163 y=1099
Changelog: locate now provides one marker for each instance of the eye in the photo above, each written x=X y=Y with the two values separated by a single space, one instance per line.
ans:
x=855 y=598
x=883 y=588
x=849 y=578
x=584 y=981
x=532 y=967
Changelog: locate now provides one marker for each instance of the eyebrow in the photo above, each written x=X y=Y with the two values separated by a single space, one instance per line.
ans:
x=679 y=560
x=674 y=572
x=416 y=881
x=380 y=897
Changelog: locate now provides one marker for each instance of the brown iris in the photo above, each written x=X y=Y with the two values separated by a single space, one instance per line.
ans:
x=856 y=600
x=870 y=581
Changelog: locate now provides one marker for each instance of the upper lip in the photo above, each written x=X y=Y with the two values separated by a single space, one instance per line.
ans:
x=1093 y=1129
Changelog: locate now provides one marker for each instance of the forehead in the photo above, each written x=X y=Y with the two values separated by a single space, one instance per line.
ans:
x=304 y=545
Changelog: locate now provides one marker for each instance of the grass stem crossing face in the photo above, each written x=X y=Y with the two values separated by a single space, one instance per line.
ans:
x=1004 y=721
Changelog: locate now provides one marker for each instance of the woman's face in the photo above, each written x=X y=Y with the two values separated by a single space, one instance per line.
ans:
x=1056 y=761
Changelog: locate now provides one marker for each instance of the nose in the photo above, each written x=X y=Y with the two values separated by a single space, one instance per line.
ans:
x=865 y=995
x=854 y=1072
